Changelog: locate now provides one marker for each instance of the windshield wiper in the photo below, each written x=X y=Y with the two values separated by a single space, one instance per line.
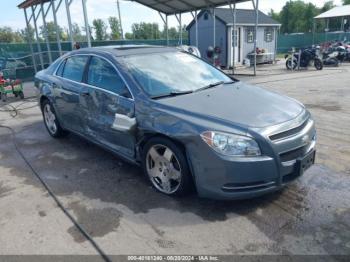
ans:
x=214 y=85
x=172 y=94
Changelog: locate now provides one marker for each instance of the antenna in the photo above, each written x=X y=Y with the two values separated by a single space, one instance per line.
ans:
x=120 y=20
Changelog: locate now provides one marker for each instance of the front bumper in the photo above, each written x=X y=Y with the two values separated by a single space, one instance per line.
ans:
x=228 y=178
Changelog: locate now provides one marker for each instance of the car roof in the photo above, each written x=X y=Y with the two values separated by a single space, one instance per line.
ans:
x=126 y=50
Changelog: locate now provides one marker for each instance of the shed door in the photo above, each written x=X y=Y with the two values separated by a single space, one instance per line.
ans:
x=237 y=43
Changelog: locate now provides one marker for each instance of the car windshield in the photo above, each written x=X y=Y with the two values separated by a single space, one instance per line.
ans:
x=173 y=73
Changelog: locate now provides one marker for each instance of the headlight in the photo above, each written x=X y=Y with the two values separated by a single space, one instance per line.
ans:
x=231 y=144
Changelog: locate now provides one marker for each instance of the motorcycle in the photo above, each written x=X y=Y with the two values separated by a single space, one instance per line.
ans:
x=331 y=58
x=335 y=52
x=308 y=56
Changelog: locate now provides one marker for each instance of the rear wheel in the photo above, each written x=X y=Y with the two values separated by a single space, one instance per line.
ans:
x=21 y=95
x=3 y=97
x=166 y=167
x=318 y=64
x=51 y=122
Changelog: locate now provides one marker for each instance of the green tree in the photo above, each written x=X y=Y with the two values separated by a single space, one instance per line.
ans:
x=297 y=16
x=51 y=32
x=310 y=12
x=114 y=24
x=274 y=15
x=90 y=32
x=129 y=36
x=24 y=34
x=346 y=2
x=146 y=31
x=172 y=31
x=327 y=6
x=6 y=34
x=100 y=29
x=77 y=34
x=18 y=37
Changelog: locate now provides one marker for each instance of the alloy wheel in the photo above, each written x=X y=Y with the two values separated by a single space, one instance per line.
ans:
x=50 y=119
x=163 y=169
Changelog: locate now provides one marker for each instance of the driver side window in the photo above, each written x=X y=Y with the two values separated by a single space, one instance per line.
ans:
x=103 y=75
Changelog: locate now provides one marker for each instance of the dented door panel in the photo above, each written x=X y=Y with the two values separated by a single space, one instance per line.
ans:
x=106 y=116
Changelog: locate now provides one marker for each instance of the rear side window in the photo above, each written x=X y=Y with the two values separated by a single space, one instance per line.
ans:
x=74 y=68
x=103 y=75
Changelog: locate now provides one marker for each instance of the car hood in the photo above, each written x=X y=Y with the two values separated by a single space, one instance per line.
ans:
x=237 y=103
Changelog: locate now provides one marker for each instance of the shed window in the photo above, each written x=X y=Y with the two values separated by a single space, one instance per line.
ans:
x=269 y=34
x=250 y=35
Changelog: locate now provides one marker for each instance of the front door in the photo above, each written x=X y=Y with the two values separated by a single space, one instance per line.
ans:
x=109 y=107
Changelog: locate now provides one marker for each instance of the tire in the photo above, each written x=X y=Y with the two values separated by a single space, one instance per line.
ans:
x=291 y=64
x=51 y=121
x=21 y=95
x=165 y=165
x=318 y=64
x=3 y=97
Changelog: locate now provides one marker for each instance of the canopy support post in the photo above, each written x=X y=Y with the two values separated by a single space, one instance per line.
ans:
x=54 y=12
x=196 y=18
x=313 y=31
x=276 y=43
x=233 y=36
x=165 y=21
x=179 y=20
x=29 y=40
x=167 y=29
x=120 y=20
x=181 y=42
x=37 y=38
x=256 y=7
x=69 y=18
x=87 y=26
x=45 y=33
x=327 y=29
x=214 y=28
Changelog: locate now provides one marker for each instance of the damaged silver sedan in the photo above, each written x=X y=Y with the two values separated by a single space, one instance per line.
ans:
x=190 y=126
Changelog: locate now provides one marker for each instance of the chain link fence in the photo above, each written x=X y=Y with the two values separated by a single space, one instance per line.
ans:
x=286 y=42
x=16 y=59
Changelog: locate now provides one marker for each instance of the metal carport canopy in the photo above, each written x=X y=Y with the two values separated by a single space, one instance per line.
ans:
x=170 y=7
x=338 y=11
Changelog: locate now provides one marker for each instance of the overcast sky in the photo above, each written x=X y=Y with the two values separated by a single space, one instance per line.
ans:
x=131 y=12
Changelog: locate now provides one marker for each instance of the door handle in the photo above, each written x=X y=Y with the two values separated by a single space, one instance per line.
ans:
x=85 y=93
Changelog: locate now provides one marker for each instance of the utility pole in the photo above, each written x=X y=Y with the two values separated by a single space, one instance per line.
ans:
x=120 y=20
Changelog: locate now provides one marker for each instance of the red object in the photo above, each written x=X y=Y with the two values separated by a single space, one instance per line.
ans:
x=2 y=80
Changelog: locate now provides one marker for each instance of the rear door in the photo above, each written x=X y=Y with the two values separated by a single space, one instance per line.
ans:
x=109 y=107
x=68 y=90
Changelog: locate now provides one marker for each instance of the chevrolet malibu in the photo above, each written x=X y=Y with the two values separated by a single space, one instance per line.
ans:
x=185 y=122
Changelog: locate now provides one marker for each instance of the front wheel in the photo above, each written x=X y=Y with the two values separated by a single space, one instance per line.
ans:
x=318 y=64
x=3 y=97
x=166 y=167
x=291 y=64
